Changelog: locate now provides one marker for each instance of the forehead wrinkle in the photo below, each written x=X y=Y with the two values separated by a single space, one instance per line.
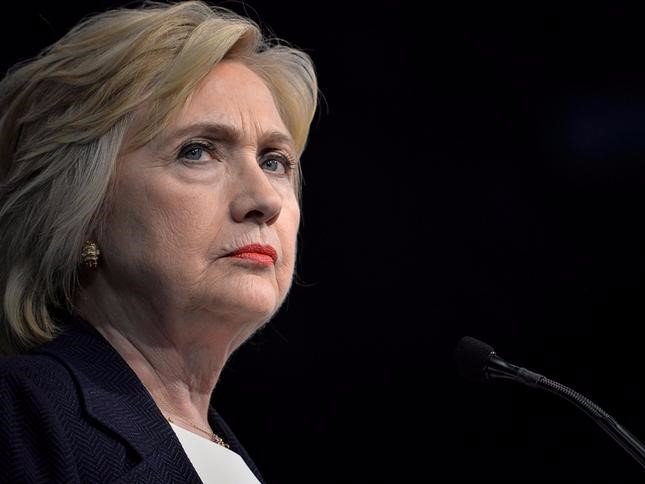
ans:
x=245 y=104
x=250 y=131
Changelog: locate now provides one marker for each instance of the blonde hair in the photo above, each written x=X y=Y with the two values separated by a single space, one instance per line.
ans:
x=63 y=118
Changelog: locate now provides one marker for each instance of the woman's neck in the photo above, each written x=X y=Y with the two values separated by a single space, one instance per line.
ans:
x=178 y=356
x=180 y=380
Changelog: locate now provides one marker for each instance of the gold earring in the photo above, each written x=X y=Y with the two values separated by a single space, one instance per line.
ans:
x=90 y=254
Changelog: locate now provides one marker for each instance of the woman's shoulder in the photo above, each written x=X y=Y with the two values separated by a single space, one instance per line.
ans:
x=29 y=364
x=45 y=429
x=52 y=363
x=29 y=373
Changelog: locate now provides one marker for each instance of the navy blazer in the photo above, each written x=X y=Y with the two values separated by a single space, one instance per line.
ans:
x=73 y=411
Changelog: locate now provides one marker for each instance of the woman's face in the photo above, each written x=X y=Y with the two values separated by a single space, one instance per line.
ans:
x=218 y=180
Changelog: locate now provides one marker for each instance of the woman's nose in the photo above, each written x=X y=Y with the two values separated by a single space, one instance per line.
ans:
x=255 y=198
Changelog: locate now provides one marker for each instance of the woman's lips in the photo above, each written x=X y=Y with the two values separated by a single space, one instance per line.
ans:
x=262 y=254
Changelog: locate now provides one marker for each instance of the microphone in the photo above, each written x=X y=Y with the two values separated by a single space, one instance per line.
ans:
x=477 y=361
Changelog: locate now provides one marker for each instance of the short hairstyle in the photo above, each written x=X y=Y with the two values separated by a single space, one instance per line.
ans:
x=63 y=118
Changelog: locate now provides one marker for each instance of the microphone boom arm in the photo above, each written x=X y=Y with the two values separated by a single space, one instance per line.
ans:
x=624 y=438
x=498 y=368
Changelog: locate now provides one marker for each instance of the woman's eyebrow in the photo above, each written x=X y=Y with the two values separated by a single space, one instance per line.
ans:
x=217 y=130
x=278 y=137
x=227 y=133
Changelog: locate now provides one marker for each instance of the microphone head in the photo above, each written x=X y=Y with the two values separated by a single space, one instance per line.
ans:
x=471 y=357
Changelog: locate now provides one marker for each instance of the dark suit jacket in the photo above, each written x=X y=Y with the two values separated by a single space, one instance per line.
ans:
x=73 y=411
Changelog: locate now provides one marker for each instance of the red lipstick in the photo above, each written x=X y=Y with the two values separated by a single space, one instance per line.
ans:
x=262 y=254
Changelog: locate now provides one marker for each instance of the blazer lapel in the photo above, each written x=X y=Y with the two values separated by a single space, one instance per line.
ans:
x=113 y=395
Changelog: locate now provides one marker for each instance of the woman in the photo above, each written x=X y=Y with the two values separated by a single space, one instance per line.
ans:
x=149 y=209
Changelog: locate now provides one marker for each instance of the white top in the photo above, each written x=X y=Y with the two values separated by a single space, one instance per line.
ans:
x=213 y=462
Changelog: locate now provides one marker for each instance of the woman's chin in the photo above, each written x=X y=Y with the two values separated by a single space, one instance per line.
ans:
x=258 y=302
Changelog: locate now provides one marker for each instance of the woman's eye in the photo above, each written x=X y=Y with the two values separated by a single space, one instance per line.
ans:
x=272 y=164
x=277 y=164
x=194 y=152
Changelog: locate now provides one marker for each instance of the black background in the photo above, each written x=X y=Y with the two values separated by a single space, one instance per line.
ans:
x=472 y=170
